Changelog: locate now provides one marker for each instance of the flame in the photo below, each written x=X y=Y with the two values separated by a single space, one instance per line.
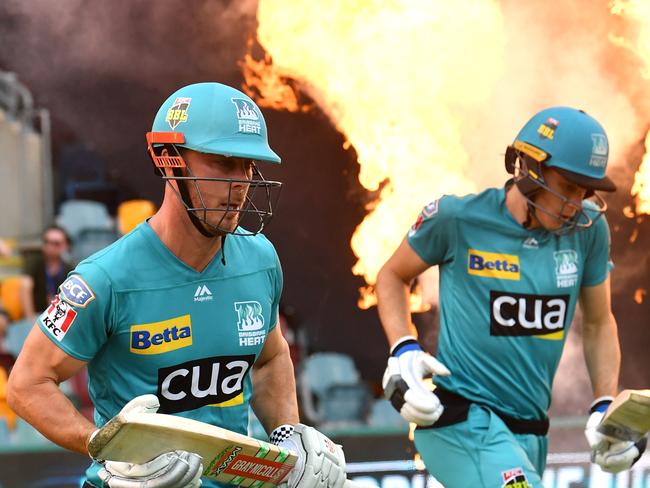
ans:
x=638 y=11
x=639 y=295
x=641 y=187
x=395 y=78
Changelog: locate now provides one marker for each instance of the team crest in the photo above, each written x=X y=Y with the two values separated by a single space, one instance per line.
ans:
x=599 y=150
x=250 y=323
x=248 y=116
x=515 y=478
x=566 y=268
x=177 y=113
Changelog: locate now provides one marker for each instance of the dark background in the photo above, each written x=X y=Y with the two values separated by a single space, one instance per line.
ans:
x=103 y=68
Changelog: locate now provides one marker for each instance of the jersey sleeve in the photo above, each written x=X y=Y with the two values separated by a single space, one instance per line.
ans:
x=79 y=318
x=278 y=281
x=433 y=235
x=597 y=262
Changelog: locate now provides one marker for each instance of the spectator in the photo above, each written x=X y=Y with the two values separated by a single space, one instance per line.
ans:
x=50 y=268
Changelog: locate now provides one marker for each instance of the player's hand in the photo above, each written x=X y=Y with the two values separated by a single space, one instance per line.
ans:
x=320 y=464
x=177 y=469
x=403 y=384
x=611 y=454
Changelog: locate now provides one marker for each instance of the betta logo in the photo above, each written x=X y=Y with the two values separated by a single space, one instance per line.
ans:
x=160 y=337
x=177 y=113
x=493 y=265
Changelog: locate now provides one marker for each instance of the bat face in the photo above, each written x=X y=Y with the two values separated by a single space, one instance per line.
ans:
x=228 y=457
x=234 y=467
x=628 y=417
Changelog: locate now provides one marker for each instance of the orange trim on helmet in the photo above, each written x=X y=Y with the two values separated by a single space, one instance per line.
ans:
x=165 y=138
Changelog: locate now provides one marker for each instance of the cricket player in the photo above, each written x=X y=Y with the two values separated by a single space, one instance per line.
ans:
x=514 y=262
x=179 y=316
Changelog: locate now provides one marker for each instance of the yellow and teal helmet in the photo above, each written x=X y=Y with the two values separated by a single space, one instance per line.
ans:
x=576 y=146
x=214 y=118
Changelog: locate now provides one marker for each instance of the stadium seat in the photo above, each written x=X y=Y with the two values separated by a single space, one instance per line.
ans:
x=16 y=335
x=76 y=216
x=132 y=212
x=383 y=415
x=345 y=404
x=324 y=381
x=89 y=241
x=10 y=293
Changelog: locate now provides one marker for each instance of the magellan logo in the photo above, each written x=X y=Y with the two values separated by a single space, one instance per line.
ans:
x=202 y=294
x=516 y=314
x=493 y=265
x=160 y=337
x=209 y=381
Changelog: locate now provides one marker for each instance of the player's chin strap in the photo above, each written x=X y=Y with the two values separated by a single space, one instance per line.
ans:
x=196 y=222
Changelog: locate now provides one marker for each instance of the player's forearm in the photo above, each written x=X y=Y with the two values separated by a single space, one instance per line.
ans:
x=274 y=386
x=393 y=306
x=602 y=355
x=46 y=408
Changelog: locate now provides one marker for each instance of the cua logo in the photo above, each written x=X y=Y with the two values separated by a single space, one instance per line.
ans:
x=160 y=337
x=493 y=265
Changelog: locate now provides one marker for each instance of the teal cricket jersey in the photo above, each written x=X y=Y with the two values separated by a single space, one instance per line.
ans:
x=147 y=323
x=507 y=297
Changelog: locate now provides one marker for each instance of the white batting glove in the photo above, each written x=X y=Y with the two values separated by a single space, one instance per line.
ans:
x=177 y=469
x=403 y=385
x=611 y=454
x=321 y=462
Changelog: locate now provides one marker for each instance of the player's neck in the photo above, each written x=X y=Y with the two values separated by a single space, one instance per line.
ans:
x=517 y=205
x=173 y=227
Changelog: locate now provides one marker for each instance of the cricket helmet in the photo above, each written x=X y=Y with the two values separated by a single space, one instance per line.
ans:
x=217 y=119
x=575 y=145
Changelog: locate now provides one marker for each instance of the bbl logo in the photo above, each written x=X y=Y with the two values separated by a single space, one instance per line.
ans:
x=249 y=119
x=547 y=129
x=250 y=323
x=177 y=113
x=566 y=268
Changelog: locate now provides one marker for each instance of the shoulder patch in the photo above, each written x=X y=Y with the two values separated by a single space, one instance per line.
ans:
x=76 y=292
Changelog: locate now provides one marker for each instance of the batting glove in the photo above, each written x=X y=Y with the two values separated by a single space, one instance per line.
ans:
x=403 y=385
x=321 y=462
x=177 y=469
x=611 y=454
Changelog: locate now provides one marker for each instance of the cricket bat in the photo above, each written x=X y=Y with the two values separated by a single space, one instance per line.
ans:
x=628 y=416
x=228 y=457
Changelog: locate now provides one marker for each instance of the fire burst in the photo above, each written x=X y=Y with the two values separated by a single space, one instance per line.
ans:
x=638 y=11
x=394 y=77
